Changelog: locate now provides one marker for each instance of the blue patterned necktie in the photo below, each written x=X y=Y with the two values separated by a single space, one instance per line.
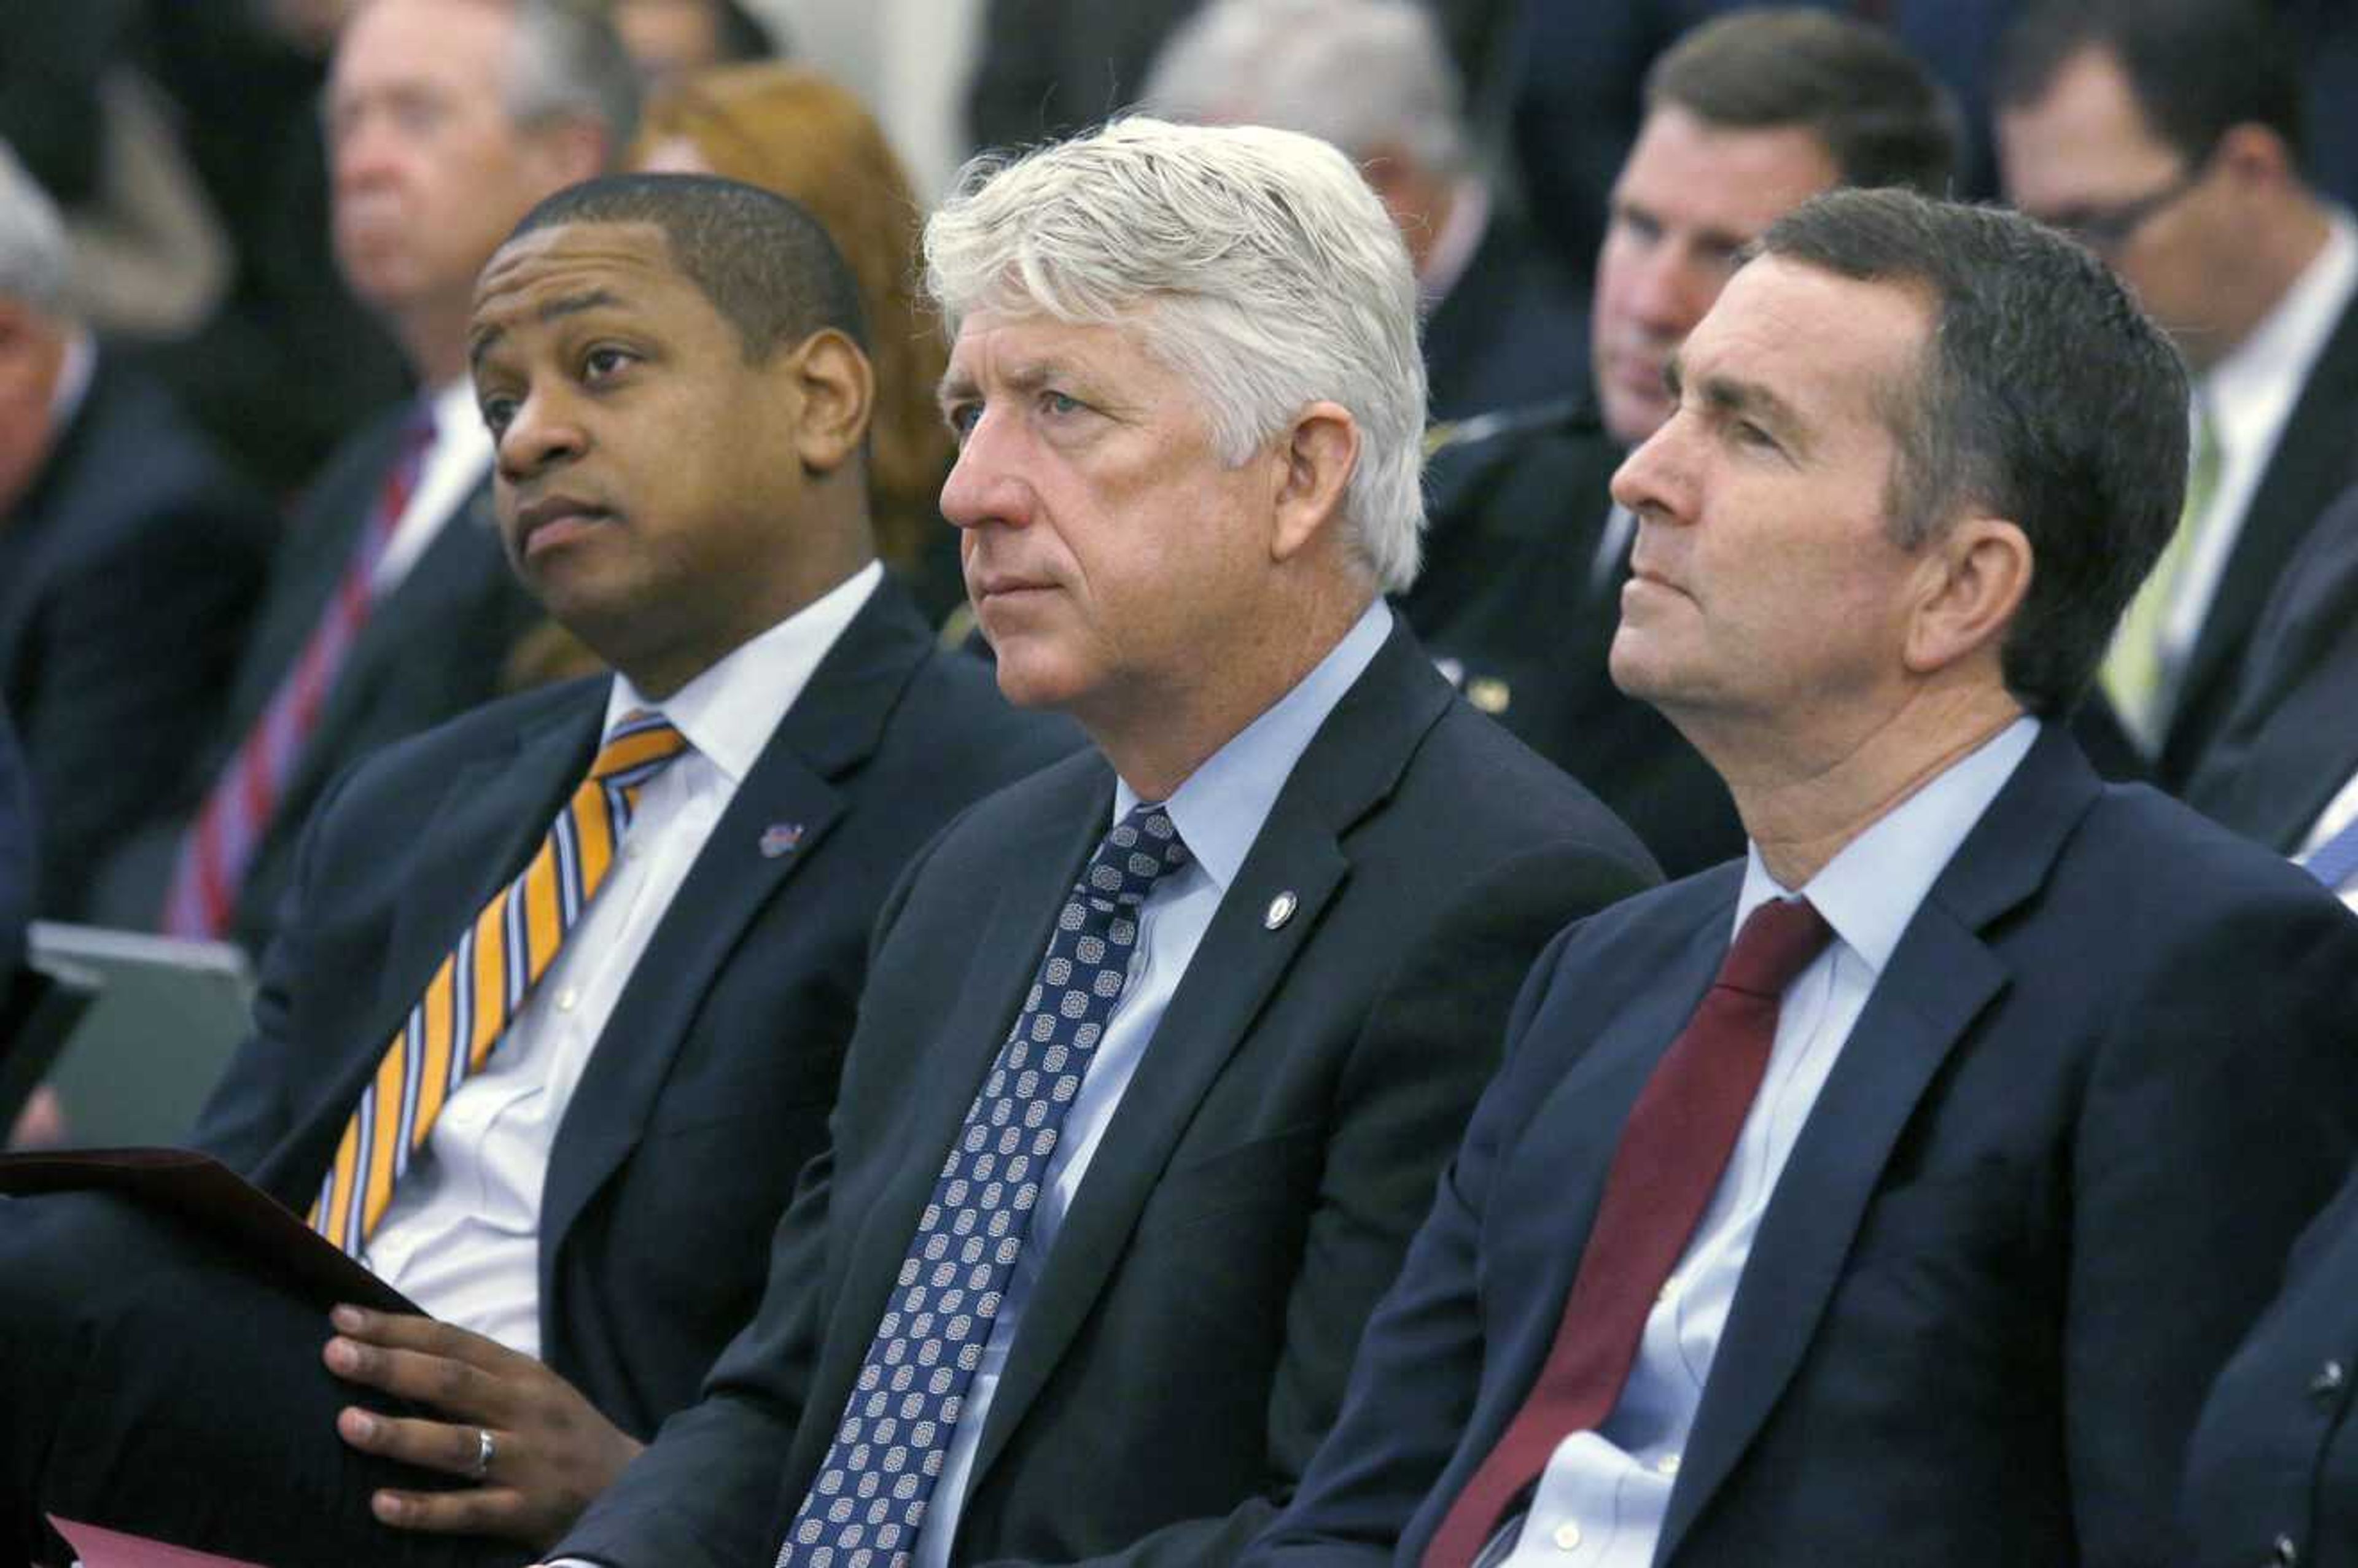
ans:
x=865 y=1510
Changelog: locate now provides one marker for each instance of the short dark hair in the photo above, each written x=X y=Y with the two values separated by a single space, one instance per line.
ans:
x=2044 y=396
x=2196 y=68
x=1881 y=117
x=766 y=265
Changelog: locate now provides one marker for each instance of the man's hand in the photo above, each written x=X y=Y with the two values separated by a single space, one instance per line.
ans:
x=551 y=1452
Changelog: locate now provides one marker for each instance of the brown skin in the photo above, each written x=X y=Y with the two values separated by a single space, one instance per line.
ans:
x=32 y=356
x=2208 y=264
x=1107 y=550
x=1825 y=672
x=668 y=499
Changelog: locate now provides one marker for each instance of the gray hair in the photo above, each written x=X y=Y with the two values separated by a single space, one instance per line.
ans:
x=1358 y=73
x=569 y=63
x=1256 y=264
x=32 y=240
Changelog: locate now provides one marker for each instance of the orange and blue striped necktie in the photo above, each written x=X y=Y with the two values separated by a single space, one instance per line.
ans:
x=479 y=987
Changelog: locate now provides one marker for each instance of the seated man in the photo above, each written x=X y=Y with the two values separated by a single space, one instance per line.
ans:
x=1916 y=1236
x=634 y=1045
x=1162 y=1048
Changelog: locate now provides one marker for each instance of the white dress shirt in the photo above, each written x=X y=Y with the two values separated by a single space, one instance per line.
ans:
x=1218 y=811
x=461 y=1237
x=2249 y=396
x=455 y=464
x=1601 y=1500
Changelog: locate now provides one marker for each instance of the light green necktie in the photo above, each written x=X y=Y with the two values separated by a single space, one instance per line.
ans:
x=2135 y=668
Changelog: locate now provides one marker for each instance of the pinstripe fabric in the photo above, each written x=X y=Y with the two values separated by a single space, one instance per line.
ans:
x=477 y=989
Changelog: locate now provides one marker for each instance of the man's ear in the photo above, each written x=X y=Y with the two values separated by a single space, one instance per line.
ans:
x=570 y=148
x=1976 y=574
x=1314 y=463
x=835 y=391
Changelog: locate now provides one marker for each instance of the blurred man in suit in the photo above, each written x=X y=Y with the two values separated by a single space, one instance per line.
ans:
x=2166 y=135
x=130 y=564
x=545 y=1051
x=1747 y=117
x=389 y=609
x=1502 y=325
x=1161 y=1048
x=1917 y=1233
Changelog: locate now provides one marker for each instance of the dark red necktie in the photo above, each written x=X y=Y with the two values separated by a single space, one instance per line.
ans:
x=1672 y=1150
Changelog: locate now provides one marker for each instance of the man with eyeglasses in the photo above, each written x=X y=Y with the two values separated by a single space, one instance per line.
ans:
x=2166 y=135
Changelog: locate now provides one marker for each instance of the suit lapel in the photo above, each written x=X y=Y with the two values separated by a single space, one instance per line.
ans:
x=1940 y=978
x=1347 y=771
x=831 y=729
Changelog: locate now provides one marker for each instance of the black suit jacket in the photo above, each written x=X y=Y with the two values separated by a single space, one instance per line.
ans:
x=712 y=1082
x=1512 y=330
x=129 y=573
x=2103 y=1081
x=1189 y=1335
x=2290 y=742
x=1508 y=602
x=2311 y=465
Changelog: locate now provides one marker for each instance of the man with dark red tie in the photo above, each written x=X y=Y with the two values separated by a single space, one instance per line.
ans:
x=389 y=609
x=1915 y=1234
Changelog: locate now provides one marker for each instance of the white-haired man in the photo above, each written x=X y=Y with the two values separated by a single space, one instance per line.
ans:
x=1162 y=1047
x=1504 y=324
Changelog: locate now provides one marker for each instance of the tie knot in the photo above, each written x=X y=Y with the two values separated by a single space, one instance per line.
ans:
x=637 y=749
x=1142 y=845
x=1777 y=943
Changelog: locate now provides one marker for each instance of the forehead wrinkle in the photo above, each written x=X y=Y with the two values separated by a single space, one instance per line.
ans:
x=549 y=310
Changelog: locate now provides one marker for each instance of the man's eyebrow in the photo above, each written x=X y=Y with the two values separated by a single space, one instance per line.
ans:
x=958 y=386
x=564 y=305
x=1729 y=396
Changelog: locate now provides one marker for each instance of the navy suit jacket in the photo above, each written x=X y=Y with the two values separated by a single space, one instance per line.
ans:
x=1189 y=1337
x=2290 y=742
x=712 y=1082
x=129 y=574
x=2104 y=1080
x=1512 y=330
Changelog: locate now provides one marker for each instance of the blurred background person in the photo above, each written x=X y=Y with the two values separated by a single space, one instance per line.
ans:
x=669 y=39
x=131 y=560
x=1373 y=78
x=2169 y=135
x=790 y=129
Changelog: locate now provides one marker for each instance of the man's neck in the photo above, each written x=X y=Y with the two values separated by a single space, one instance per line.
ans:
x=1802 y=801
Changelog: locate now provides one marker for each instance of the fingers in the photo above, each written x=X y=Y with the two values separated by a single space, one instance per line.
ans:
x=405 y=1331
x=450 y=1386
x=486 y=1510
x=429 y=1444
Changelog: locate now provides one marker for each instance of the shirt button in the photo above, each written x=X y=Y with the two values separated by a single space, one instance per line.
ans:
x=1668 y=1465
x=567 y=999
x=2329 y=1381
x=2287 y=1555
x=1567 y=1537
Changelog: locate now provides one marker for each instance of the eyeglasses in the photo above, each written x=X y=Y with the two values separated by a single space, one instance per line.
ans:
x=2107 y=229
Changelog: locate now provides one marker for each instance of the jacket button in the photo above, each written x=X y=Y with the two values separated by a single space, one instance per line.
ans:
x=2328 y=1382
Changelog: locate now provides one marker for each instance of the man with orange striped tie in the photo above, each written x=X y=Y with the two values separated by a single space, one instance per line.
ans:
x=557 y=1013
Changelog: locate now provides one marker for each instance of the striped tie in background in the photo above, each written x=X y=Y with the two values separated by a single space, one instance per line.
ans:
x=477 y=989
x=219 y=846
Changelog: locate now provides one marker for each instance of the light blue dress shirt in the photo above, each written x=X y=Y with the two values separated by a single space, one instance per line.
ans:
x=1601 y=1500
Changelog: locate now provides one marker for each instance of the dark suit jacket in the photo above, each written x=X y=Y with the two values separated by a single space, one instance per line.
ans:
x=17 y=844
x=129 y=575
x=2103 y=1081
x=2290 y=742
x=2271 y=1461
x=1506 y=600
x=712 y=1082
x=2311 y=466
x=1189 y=1335
x=1512 y=331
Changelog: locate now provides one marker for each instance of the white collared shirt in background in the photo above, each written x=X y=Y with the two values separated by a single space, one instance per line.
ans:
x=456 y=463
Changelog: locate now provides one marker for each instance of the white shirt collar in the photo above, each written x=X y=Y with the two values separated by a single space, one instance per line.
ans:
x=728 y=712
x=1871 y=890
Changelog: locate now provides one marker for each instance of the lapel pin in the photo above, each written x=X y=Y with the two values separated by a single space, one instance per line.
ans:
x=779 y=839
x=1280 y=910
x=1488 y=693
